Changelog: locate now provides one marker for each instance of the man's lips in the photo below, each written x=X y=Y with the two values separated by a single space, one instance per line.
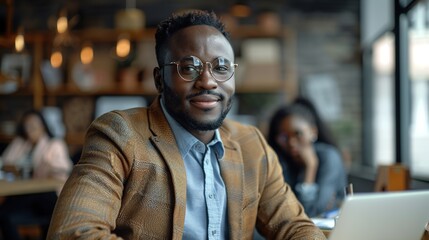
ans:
x=205 y=101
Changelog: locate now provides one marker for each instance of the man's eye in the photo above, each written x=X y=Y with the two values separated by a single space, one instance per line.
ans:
x=221 y=69
x=189 y=69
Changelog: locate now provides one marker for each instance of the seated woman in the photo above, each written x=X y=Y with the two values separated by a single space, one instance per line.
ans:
x=312 y=166
x=35 y=154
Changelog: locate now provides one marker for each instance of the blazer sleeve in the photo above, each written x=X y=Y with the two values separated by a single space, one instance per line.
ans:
x=89 y=203
x=280 y=214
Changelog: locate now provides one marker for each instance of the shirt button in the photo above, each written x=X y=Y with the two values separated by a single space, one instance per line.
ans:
x=214 y=232
x=210 y=195
x=200 y=147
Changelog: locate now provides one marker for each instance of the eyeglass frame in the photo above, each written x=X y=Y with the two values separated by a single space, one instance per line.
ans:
x=177 y=63
x=284 y=138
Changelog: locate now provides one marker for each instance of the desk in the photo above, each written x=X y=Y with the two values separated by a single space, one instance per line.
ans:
x=30 y=186
x=425 y=235
x=19 y=187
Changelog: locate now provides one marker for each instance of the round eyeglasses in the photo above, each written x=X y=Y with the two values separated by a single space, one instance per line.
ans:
x=190 y=68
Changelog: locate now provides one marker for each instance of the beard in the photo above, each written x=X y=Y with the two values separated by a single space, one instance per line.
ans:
x=172 y=103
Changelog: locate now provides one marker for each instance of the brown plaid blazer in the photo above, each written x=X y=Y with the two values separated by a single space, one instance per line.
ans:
x=130 y=183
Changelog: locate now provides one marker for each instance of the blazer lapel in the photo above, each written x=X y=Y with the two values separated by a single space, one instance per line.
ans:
x=233 y=175
x=163 y=139
x=231 y=169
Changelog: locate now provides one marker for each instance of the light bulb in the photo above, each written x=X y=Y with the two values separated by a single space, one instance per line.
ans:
x=19 y=42
x=86 y=54
x=56 y=59
x=123 y=47
x=62 y=24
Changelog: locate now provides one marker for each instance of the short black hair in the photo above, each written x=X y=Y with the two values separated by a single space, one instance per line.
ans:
x=180 y=21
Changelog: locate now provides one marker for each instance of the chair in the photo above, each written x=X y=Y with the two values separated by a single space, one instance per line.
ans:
x=34 y=228
x=394 y=177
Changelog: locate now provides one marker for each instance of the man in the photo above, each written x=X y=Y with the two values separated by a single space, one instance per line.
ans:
x=177 y=170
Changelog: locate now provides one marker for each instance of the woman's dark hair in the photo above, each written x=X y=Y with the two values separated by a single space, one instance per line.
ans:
x=304 y=108
x=176 y=22
x=20 y=130
x=282 y=113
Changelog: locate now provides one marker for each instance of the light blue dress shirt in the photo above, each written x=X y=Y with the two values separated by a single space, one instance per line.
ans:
x=206 y=214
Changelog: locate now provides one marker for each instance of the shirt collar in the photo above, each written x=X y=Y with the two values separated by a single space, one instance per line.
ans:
x=187 y=140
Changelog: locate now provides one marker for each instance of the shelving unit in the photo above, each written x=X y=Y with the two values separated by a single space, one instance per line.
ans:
x=41 y=96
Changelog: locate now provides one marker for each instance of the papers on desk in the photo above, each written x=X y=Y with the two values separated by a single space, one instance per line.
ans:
x=327 y=219
x=324 y=223
x=7 y=176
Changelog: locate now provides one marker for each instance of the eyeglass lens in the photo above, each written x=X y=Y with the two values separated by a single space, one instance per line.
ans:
x=283 y=138
x=190 y=68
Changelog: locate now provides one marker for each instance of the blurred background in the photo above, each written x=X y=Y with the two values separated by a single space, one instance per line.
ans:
x=363 y=63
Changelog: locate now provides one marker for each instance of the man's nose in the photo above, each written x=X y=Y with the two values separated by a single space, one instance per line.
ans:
x=206 y=79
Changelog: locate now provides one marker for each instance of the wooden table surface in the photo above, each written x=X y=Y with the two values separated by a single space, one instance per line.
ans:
x=19 y=187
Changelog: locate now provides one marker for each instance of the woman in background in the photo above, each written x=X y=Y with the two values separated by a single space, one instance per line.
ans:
x=312 y=166
x=34 y=153
x=324 y=134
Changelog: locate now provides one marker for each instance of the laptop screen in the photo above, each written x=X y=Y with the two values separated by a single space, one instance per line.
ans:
x=383 y=215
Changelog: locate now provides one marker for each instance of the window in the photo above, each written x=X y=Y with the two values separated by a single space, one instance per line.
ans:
x=383 y=92
x=383 y=95
x=419 y=84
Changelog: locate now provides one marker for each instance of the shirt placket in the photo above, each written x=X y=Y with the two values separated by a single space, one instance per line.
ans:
x=211 y=198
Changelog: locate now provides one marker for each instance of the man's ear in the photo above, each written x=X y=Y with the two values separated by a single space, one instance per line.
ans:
x=157 y=75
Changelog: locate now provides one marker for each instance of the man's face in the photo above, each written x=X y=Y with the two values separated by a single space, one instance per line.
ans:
x=199 y=105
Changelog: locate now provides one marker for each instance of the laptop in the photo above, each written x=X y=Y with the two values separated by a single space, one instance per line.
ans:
x=383 y=215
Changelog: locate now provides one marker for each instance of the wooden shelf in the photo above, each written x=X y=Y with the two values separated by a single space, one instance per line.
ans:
x=254 y=31
x=25 y=92
x=6 y=42
x=110 y=91
x=275 y=87
x=5 y=138
x=111 y=35
x=98 y=35
x=75 y=138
